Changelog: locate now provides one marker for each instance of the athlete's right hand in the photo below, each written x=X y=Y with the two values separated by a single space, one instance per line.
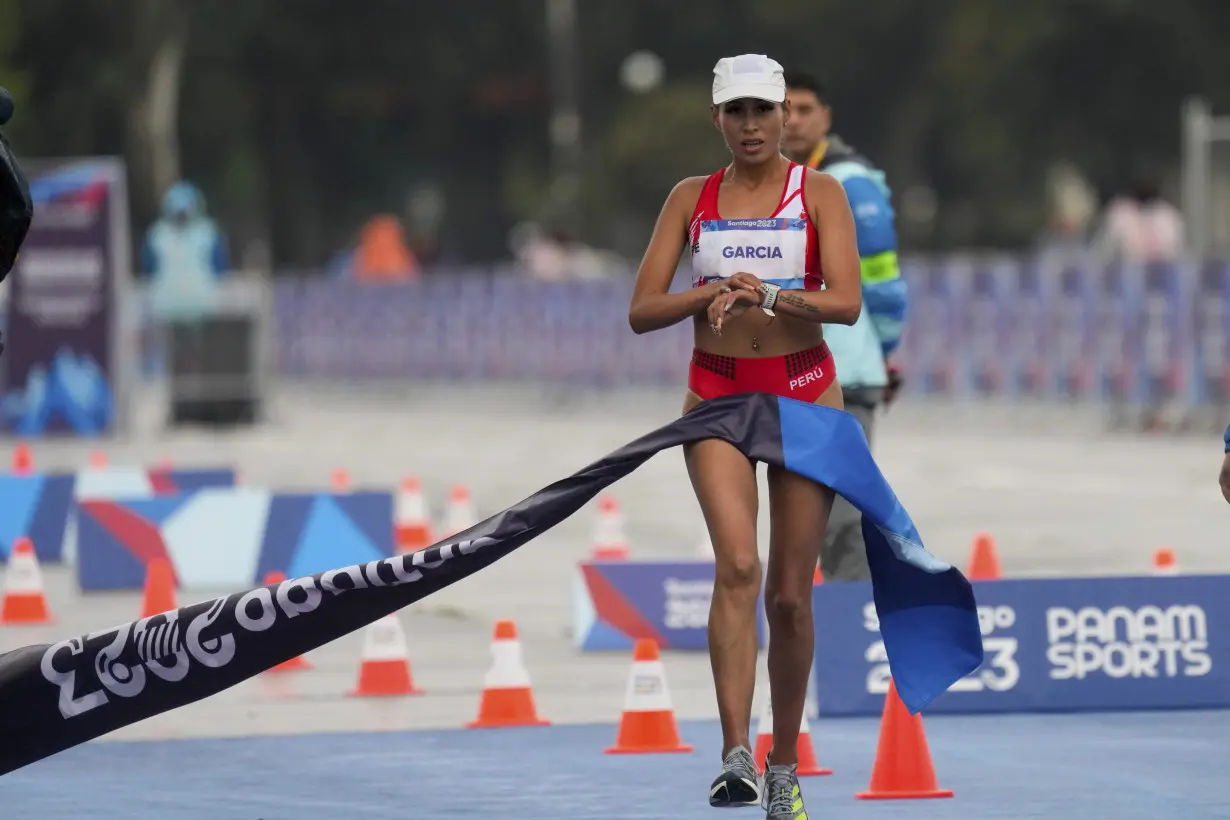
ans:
x=746 y=281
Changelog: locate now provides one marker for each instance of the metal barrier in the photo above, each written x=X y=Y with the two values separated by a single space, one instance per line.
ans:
x=999 y=327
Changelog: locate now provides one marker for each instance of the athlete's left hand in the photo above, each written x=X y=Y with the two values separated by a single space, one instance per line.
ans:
x=730 y=306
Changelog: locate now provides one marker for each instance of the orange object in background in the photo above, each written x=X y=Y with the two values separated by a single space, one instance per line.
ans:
x=382 y=255
x=984 y=560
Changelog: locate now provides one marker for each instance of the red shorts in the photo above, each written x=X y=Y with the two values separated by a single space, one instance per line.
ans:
x=804 y=375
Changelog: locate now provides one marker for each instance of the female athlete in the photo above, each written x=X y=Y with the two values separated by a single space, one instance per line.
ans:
x=764 y=234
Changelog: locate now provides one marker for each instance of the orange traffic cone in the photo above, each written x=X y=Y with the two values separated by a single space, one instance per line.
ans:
x=98 y=459
x=1165 y=562
x=984 y=560
x=339 y=481
x=298 y=662
x=384 y=669
x=609 y=543
x=648 y=722
x=25 y=603
x=159 y=595
x=508 y=699
x=23 y=461
x=808 y=765
x=461 y=513
x=817 y=577
x=903 y=768
x=413 y=528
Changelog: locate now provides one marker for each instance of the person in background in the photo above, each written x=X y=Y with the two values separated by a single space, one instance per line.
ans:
x=382 y=254
x=1140 y=226
x=184 y=255
x=861 y=351
x=1225 y=469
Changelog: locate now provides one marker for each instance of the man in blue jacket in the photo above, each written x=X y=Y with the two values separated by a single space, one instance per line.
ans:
x=860 y=351
x=1225 y=469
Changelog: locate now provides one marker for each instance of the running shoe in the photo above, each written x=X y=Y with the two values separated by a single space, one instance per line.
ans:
x=739 y=782
x=783 y=800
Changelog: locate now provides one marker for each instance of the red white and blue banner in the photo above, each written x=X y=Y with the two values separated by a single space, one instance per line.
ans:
x=616 y=603
x=229 y=537
x=41 y=506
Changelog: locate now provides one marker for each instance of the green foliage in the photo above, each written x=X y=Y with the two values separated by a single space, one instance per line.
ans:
x=300 y=118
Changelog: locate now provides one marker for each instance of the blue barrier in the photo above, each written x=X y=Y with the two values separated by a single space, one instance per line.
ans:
x=1052 y=645
x=1018 y=328
x=616 y=603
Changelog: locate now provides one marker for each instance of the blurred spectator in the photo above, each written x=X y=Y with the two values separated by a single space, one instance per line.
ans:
x=1224 y=480
x=382 y=255
x=1072 y=208
x=554 y=254
x=184 y=255
x=1140 y=226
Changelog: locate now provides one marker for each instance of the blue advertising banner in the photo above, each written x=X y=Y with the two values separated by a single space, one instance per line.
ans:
x=40 y=506
x=225 y=537
x=64 y=371
x=1073 y=644
x=615 y=603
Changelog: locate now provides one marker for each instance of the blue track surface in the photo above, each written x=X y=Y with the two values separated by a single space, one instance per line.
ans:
x=1154 y=766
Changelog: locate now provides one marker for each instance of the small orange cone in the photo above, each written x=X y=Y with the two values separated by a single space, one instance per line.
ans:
x=984 y=560
x=609 y=543
x=903 y=768
x=461 y=513
x=1165 y=562
x=808 y=765
x=298 y=662
x=159 y=595
x=508 y=699
x=412 y=526
x=98 y=459
x=25 y=603
x=339 y=481
x=648 y=723
x=23 y=461
x=384 y=670
x=817 y=577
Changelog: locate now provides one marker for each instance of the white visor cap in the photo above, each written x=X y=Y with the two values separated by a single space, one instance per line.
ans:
x=748 y=75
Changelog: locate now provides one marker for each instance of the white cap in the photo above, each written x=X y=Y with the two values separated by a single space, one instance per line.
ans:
x=748 y=75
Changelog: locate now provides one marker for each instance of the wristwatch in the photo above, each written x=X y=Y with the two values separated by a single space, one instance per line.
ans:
x=770 y=297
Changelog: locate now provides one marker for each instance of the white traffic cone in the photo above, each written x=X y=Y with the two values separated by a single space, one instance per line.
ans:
x=25 y=602
x=384 y=667
x=411 y=524
x=648 y=723
x=808 y=765
x=609 y=542
x=461 y=512
x=508 y=698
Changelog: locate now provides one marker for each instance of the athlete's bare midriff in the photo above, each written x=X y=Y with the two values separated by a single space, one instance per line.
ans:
x=756 y=334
